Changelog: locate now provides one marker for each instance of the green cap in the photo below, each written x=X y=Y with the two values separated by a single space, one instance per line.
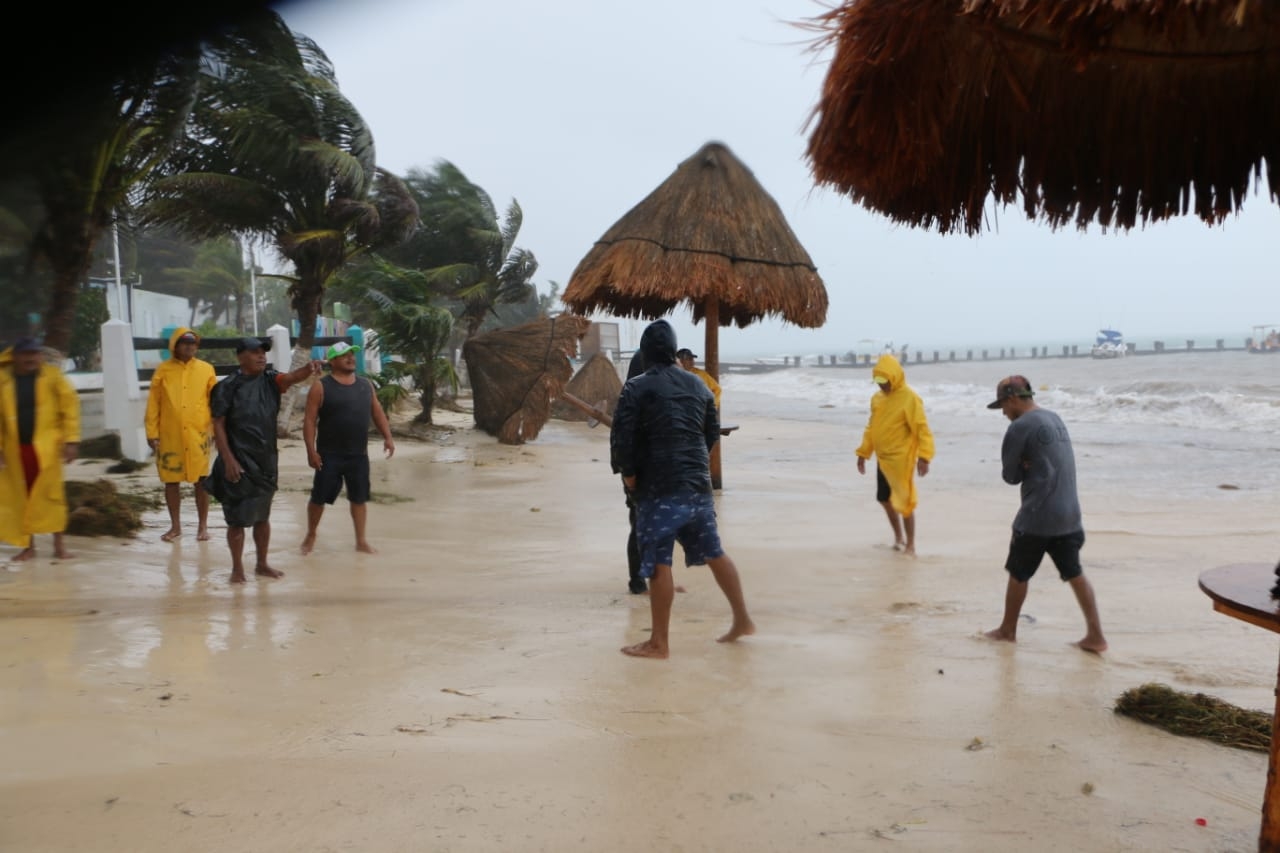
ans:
x=341 y=348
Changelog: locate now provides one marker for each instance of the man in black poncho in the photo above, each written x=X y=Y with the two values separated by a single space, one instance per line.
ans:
x=664 y=425
x=244 y=408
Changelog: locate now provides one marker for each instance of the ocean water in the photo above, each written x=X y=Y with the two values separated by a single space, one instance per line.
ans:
x=1171 y=424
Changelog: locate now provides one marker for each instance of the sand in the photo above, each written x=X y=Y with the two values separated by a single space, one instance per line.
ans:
x=463 y=690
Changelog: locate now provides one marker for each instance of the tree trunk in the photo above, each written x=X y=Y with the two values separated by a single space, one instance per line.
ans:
x=307 y=297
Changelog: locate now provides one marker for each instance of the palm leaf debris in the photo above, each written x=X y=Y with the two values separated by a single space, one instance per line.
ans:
x=1197 y=715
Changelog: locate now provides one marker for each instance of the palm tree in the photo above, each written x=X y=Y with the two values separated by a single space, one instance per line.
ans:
x=468 y=249
x=397 y=302
x=65 y=178
x=276 y=151
x=216 y=279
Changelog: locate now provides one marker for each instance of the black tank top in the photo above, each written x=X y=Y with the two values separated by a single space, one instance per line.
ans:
x=343 y=422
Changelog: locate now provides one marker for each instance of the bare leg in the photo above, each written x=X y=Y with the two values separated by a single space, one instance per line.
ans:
x=909 y=524
x=235 y=544
x=661 y=593
x=173 y=500
x=898 y=542
x=60 y=549
x=314 y=512
x=262 y=541
x=726 y=575
x=1015 y=593
x=1093 y=640
x=359 y=512
x=202 y=513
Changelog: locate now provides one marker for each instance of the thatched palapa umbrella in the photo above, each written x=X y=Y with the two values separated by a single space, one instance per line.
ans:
x=596 y=382
x=1114 y=111
x=516 y=372
x=711 y=237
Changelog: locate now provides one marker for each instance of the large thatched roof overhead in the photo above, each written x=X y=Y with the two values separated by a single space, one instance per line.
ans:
x=708 y=232
x=1114 y=111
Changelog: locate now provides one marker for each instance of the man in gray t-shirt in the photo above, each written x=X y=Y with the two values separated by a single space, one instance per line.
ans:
x=1037 y=456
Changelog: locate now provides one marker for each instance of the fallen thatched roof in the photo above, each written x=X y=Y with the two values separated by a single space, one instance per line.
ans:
x=1112 y=111
x=597 y=382
x=516 y=372
x=708 y=232
x=1197 y=715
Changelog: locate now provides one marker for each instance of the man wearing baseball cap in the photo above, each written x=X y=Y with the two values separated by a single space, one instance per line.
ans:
x=244 y=406
x=685 y=358
x=1037 y=455
x=180 y=428
x=335 y=429
x=39 y=433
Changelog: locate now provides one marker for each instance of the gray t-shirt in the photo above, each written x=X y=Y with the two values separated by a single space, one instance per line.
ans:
x=1037 y=453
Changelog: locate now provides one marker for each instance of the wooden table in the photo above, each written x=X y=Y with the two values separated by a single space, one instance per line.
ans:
x=1243 y=591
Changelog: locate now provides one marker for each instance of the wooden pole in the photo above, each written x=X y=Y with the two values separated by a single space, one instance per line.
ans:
x=711 y=358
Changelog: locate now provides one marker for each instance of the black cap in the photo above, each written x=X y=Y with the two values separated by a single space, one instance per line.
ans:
x=28 y=345
x=1011 y=386
x=247 y=344
x=685 y=352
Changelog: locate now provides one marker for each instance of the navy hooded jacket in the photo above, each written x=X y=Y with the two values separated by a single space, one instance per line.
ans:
x=665 y=423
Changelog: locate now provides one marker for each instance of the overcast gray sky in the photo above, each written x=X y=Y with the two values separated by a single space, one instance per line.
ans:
x=579 y=108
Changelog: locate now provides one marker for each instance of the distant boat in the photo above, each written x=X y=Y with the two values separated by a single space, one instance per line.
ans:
x=1109 y=344
x=1264 y=342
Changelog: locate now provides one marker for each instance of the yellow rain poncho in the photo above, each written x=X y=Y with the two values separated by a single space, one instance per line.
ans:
x=178 y=415
x=898 y=434
x=57 y=423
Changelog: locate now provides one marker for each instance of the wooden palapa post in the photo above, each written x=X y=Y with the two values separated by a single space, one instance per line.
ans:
x=711 y=358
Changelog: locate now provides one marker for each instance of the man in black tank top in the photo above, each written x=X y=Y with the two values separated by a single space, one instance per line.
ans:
x=336 y=433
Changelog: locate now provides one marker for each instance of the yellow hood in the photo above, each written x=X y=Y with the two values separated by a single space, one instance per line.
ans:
x=179 y=332
x=890 y=369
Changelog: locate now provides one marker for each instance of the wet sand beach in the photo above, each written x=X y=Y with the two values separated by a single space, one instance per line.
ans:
x=463 y=689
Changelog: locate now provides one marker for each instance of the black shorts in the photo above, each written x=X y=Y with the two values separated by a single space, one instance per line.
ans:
x=882 y=486
x=337 y=469
x=247 y=512
x=1027 y=550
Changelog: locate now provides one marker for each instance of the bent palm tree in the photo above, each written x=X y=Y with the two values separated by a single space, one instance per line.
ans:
x=276 y=150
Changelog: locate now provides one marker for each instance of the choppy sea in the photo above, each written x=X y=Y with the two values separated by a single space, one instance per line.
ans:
x=1146 y=422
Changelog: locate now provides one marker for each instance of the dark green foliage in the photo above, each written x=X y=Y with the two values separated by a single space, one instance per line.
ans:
x=86 y=334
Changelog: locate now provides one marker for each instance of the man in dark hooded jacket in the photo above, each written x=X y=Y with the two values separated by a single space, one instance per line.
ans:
x=664 y=426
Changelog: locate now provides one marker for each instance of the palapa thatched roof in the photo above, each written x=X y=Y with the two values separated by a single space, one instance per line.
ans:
x=516 y=372
x=709 y=231
x=1115 y=111
x=596 y=382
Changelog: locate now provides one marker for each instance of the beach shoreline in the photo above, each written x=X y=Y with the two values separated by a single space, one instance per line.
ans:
x=463 y=690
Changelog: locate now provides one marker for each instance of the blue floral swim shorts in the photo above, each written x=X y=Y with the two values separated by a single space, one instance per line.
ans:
x=686 y=517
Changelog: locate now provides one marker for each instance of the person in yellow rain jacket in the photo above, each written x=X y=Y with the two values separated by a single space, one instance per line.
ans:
x=39 y=433
x=180 y=427
x=898 y=434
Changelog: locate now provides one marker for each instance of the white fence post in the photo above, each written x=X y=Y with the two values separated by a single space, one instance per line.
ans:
x=281 y=353
x=124 y=406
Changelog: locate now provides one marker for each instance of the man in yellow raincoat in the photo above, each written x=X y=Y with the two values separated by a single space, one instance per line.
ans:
x=898 y=434
x=39 y=433
x=180 y=427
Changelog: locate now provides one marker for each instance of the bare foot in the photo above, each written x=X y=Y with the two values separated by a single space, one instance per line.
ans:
x=23 y=555
x=62 y=554
x=268 y=572
x=366 y=548
x=307 y=545
x=909 y=550
x=736 y=631
x=898 y=546
x=1096 y=645
x=1002 y=635
x=678 y=589
x=237 y=576
x=646 y=650
x=171 y=534
x=202 y=535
